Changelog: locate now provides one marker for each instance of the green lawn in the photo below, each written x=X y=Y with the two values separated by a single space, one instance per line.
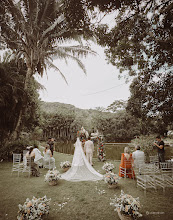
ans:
x=83 y=200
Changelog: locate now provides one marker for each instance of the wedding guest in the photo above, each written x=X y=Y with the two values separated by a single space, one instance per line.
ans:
x=138 y=157
x=51 y=143
x=48 y=158
x=89 y=149
x=126 y=164
x=160 y=146
x=38 y=157
x=34 y=166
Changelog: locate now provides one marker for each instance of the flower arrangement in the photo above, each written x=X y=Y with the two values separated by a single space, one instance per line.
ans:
x=111 y=178
x=127 y=205
x=52 y=175
x=101 y=151
x=108 y=167
x=34 y=208
x=65 y=164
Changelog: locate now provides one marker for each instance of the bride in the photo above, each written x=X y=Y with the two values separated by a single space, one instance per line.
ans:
x=81 y=170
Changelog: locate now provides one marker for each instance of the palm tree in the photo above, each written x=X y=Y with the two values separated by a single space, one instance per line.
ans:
x=36 y=31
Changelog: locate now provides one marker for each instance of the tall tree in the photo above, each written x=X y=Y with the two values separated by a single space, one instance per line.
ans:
x=36 y=31
x=141 y=43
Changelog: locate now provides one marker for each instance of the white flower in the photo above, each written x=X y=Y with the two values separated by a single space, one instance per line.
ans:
x=108 y=167
x=52 y=175
x=127 y=204
x=65 y=164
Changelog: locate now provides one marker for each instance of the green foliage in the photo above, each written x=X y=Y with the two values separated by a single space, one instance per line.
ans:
x=119 y=126
x=117 y=105
x=141 y=44
x=41 y=29
x=17 y=146
x=151 y=100
x=147 y=144
x=13 y=99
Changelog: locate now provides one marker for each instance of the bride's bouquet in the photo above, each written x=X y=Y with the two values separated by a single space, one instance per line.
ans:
x=108 y=167
x=34 y=208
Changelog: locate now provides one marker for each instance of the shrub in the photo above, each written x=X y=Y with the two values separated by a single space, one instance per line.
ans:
x=147 y=145
x=18 y=146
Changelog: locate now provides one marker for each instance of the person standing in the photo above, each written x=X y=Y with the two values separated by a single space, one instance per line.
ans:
x=51 y=143
x=89 y=149
x=161 y=151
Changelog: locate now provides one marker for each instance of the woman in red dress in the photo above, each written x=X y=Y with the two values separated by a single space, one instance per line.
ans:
x=126 y=165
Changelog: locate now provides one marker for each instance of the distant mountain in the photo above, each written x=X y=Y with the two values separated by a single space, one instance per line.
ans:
x=54 y=107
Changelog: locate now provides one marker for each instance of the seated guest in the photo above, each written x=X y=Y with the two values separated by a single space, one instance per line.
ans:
x=138 y=157
x=125 y=167
x=38 y=157
x=48 y=158
x=34 y=166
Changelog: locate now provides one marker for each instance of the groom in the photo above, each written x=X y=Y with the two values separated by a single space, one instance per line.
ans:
x=88 y=149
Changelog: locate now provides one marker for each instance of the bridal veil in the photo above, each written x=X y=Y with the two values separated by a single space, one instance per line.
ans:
x=81 y=170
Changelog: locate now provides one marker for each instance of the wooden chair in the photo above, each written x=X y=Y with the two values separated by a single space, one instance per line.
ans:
x=17 y=166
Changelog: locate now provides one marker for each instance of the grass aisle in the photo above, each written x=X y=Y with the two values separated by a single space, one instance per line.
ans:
x=80 y=200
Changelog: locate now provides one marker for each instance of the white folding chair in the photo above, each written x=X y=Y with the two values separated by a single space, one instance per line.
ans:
x=154 y=159
x=146 y=179
x=47 y=164
x=17 y=165
x=165 y=179
x=27 y=166
x=125 y=171
x=24 y=156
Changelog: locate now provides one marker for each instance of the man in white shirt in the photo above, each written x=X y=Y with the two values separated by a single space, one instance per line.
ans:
x=89 y=149
x=138 y=157
x=38 y=157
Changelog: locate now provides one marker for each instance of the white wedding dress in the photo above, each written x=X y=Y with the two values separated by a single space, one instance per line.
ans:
x=81 y=170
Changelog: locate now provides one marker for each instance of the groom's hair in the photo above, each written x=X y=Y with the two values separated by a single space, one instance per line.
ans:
x=89 y=138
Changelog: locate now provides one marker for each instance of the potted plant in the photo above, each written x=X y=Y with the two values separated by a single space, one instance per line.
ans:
x=52 y=177
x=111 y=179
x=108 y=167
x=34 y=208
x=126 y=206
x=65 y=165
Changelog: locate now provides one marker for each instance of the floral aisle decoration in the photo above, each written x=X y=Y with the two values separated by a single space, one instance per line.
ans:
x=100 y=149
x=34 y=209
x=126 y=206
x=65 y=165
x=108 y=167
x=111 y=179
x=100 y=146
x=52 y=177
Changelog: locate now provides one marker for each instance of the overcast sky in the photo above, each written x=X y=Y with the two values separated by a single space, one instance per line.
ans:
x=99 y=88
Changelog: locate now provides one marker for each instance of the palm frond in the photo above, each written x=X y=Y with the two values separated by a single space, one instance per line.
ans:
x=51 y=65
x=49 y=29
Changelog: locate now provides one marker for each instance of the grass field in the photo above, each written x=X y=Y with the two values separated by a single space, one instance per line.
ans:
x=82 y=200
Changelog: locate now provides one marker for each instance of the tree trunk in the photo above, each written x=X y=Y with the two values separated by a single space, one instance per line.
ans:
x=14 y=135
